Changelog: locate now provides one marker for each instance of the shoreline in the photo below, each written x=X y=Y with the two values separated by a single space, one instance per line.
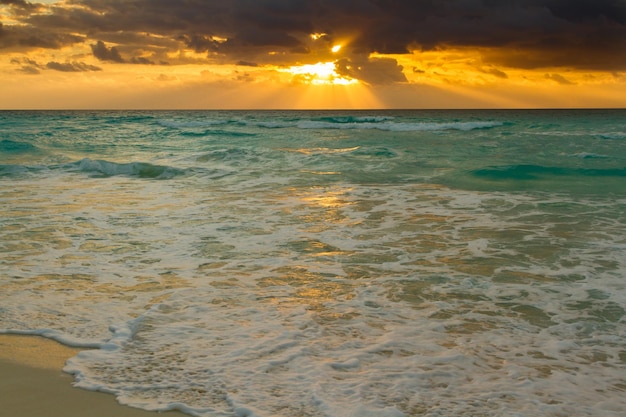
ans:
x=32 y=383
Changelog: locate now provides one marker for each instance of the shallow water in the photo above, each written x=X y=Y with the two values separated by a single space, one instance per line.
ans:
x=334 y=264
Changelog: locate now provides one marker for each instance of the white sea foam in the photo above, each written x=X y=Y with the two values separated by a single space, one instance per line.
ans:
x=253 y=286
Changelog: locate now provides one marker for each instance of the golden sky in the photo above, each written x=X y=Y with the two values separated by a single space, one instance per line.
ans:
x=301 y=54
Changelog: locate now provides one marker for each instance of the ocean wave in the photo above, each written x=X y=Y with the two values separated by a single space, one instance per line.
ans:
x=228 y=154
x=193 y=124
x=325 y=151
x=9 y=170
x=11 y=146
x=383 y=125
x=613 y=136
x=354 y=119
x=217 y=132
x=102 y=168
x=379 y=152
x=529 y=172
x=589 y=155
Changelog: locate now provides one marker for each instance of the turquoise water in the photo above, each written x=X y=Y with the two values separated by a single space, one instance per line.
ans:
x=379 y=263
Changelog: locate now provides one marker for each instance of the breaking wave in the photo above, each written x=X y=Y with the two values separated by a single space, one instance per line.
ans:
x=101 y=168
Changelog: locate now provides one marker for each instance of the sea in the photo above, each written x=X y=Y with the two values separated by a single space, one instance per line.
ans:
x=323 y=263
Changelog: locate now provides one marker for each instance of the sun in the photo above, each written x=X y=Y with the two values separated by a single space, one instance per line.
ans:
x=322 y=73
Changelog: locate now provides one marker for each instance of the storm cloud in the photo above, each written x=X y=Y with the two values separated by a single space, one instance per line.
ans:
x=585 y=34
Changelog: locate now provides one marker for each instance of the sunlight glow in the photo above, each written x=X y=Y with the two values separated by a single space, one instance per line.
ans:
x=336 y=49
x=219 y=39
x=322 y=73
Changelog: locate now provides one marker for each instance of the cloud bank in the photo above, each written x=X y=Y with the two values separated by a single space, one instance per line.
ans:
x=525 y=34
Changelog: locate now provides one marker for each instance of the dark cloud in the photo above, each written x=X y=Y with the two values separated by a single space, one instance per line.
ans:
x=30 y=66
x=27 y=61
x=579 y=11
x=21 y=5
x=141 y=60
x=103 y=53
x=24 y=38
x=495 y=72
x=72 y=67
x=48 y=41
x=247 y=64
x=27 y=65
x=587 y=34
x=200 y=43
x=371 y=70
x=28 y=69
x=112 y=54
x=18 y=3
x=558 y=78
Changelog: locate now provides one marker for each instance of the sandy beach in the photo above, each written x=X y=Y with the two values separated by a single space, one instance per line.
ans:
x=33 y=384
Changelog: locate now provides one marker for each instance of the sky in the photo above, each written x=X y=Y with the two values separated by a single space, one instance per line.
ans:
x=312 y=54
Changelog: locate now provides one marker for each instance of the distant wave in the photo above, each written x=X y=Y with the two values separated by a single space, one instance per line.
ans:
x=380 y=125
x=379 y=152
x=217 y=132
x=329 y=122
x=589 y=155
x=613 y=136
x=529 y=172
x=228 y=154
x=97 y=168
x=354 y=119
x=103 y=168
x=11 y=146
x=191 y=124
x=8 y=170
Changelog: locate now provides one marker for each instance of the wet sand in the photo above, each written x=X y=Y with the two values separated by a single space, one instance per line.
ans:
x=33 y=384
